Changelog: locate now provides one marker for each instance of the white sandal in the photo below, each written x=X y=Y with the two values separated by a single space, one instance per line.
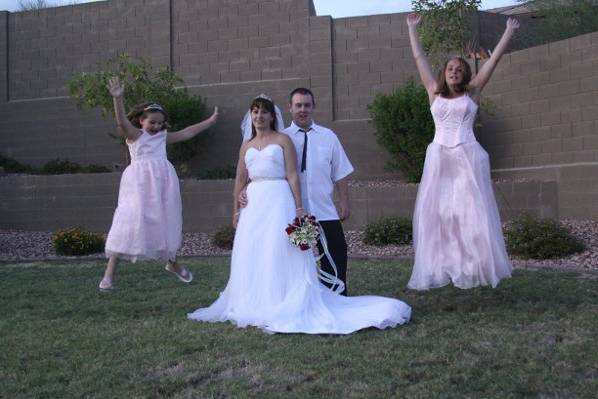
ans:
x=105 y=285
x=183 y=274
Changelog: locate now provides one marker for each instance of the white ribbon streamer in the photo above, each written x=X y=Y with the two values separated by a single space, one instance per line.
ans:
x=337 y=285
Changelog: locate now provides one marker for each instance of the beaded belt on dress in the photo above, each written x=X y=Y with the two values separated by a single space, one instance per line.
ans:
x=144 y=158
x=266 y=178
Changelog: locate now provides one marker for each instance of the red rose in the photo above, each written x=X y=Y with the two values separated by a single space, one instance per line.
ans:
x=290 y=229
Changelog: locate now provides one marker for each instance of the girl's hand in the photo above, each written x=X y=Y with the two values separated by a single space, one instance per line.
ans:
x=212 y=119
x=512 y=24
x=413 y=20
x=116 y=88
x=300 y=212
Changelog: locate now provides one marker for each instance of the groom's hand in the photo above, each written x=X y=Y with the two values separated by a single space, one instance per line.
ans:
x=343 y=213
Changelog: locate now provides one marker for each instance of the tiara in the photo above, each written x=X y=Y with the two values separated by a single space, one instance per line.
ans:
x=265 y=97
x=154 y=107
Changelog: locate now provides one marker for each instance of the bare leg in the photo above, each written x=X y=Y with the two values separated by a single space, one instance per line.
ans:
x=112 y=263
x=106 y=282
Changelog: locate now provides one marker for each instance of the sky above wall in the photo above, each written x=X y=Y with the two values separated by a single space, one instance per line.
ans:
x=335 y=8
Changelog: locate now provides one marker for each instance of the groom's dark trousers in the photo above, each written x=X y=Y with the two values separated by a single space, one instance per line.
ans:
x=337 y=247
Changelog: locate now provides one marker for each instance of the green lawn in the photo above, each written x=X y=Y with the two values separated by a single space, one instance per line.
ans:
x=533 y=336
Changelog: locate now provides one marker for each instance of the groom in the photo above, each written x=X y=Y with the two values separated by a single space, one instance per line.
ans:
x=321 y=165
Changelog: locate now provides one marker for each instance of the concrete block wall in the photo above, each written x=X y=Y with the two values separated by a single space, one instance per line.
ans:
x=49 y=203
x=47 y=47
x=231 y=51
x=231 y=41
x=321 y=73
x=576 y=186
x=3 y=57
x=546 y=119
x=34 y=132
x=368 y=158
x=371 y=56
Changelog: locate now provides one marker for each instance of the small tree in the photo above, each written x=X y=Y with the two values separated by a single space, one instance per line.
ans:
x=560 y=19
x=445 y=26
x=404 y=126
x=143 y=84
x=29 y=5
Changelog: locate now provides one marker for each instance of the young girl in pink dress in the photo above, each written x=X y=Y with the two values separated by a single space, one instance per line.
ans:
x=147 y=222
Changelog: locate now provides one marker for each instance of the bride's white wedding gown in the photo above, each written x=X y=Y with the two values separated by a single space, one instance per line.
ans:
x=273 y=284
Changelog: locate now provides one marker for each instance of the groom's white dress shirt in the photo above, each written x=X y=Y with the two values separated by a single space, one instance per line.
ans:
x=326 y=164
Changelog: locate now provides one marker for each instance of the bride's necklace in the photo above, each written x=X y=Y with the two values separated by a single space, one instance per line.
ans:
x=260 y=143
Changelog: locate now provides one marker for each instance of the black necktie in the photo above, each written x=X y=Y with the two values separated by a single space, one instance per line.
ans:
x=304 y=156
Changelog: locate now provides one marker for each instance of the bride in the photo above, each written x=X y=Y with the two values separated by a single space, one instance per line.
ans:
x=274 y=285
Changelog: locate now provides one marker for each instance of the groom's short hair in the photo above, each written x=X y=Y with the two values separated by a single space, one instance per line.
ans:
x=303 y=91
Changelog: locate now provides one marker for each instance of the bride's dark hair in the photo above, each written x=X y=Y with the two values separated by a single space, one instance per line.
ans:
x=267 y=105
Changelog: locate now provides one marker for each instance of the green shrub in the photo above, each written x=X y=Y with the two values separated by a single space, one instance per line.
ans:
x=533 y=238
x=59 y=166
x=63 y=166
x=76 y=242
x=92 y=168
x=225 y=172
x=183 y=110
x=13 y=166
x=404 y=127
x=223 y=237
x=54 y=167
x=389 y=230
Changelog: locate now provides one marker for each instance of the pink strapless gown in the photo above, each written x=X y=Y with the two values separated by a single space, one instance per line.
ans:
x=457 y=232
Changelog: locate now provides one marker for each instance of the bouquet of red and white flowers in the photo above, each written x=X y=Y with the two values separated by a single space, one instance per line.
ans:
x=303 y=232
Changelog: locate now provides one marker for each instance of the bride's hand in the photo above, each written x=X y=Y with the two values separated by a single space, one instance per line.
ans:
x=300 y=212
x=243 y=198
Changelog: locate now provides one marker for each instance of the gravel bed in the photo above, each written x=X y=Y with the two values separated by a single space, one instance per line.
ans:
x=388 y=183
x=35 y=245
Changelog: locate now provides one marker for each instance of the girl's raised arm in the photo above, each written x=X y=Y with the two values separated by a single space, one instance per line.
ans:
x=191 y=131
x=483 y=76
x=421 y=61
x=125 y=128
